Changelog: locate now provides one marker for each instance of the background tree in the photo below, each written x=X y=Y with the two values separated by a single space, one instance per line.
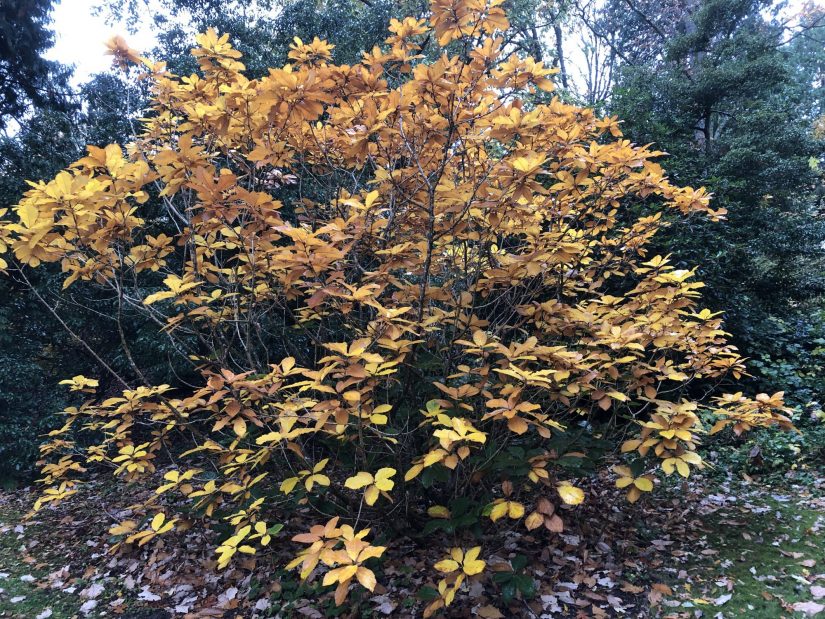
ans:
x=718 y=85
x=26 y=78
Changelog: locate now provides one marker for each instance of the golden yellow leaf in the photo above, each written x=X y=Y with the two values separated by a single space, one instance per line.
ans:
x=533 y=521
x=447 y=566
x=570 y=494
x=359 y=480
x=472 y=565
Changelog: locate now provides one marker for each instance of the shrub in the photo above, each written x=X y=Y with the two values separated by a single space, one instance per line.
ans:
x=401 y=282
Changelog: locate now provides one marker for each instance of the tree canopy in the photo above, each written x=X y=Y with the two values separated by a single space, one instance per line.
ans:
x=26 y=78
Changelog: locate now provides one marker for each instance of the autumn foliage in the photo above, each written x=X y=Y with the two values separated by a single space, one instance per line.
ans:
x=402 y=283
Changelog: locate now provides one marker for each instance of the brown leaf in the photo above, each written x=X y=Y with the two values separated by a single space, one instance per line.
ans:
x=489 y=612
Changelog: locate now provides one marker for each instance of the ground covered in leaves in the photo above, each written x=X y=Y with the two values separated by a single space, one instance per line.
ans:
x=705 y=549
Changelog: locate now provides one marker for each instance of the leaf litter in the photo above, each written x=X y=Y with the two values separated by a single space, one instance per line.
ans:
x=702 y=550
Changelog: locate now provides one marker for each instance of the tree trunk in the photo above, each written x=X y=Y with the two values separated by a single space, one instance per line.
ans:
x=560 y=55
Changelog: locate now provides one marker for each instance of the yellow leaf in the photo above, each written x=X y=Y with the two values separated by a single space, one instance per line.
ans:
x=321 y=480
x=366 y=577
x=158 y=296
x=413 y=472
x=517 y=425
x=382 y=479
x=288 y=485
x=28 y=214
x=719 y=425
x=472 y=565
x=359 y=481
x=157 y=521
x=371 y=494
x=630 y=445
x=692 y=457
x=127 y=526
x=239 y=426
x=341 y=592
x=515 y=510
x=447 y=566
x=438 y=511
x=498 y=511
x=534 y=521
x=570 y=494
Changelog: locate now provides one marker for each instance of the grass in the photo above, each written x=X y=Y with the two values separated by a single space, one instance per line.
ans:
x=759 y=551
x=16 y=561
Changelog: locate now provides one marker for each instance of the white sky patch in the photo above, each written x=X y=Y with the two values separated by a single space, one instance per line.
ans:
x=80 y=38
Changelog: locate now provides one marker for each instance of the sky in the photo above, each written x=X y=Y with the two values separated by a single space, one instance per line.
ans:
x=80 y=36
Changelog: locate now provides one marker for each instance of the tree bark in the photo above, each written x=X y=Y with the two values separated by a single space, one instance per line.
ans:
x=560 y=54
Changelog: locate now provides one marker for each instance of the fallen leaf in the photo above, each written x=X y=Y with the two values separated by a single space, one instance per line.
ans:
x=722 y=599
x=489 y=612
x=88 y=606
x=809 y=608
x=385 y=605
x=630 y=588
x=147 y=595
x=92 y=591
x=662 y=588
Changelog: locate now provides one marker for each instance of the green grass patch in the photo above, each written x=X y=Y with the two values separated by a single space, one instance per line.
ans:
x=761 y=551
x=22 y=599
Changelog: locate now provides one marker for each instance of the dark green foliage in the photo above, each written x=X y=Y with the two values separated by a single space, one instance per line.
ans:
x=43 y=146
x=26 y=78
x=775 y=455
x=28 y=396
x=516 y=583
x=731 y=106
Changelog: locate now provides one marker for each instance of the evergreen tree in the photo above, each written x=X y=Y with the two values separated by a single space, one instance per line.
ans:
x=730 y=104
x=26 y=78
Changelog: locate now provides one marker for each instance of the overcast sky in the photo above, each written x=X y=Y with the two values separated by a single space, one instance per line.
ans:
x=80 y=36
